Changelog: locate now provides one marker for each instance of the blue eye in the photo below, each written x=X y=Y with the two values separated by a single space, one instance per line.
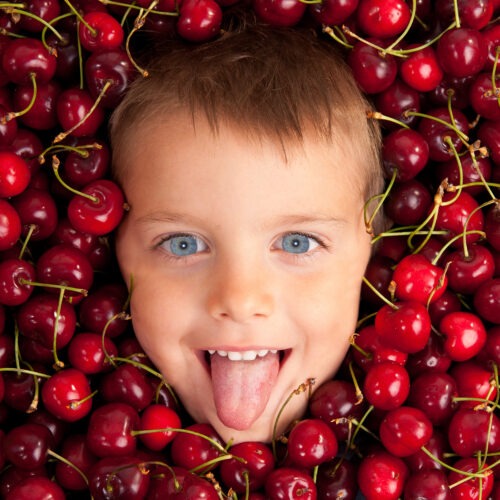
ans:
x=298 y=243
x=183 y=245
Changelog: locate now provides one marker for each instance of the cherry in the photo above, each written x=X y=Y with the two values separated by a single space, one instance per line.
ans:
x=34 y=351
x=379 y=274
x=337 y=480
x=382 y=18
x=36 y=208
x=109 y=432
x=10 y=225
x=100 y=308
x=333 y=12
x=311 y=442
x=86 y=353
x=458 y=214
x=462 y=52
x=108 y=67
x=406 y=328
x=100 y=215
x=36 y=487
x=451 y=89
x=473 y=14
x=24 y=57
x=279 y=12
x=120 y=477
x=42 y=113
x=100 y=30
x=492 y=227
x=487 y=300
x=373 y=72
x=408 y=203
x=466 y=272
x=471 y=430
x=13 y=290
x=434 y=394
x=27 y=445
x=472 y=170
x=74 y=449
x=473 y=382
x=465 y=335
x=28 y=146
x=80 y=169
x=406 y=152
x=386 y=386
x=257 y=463
x=67 y=395
x=436 y=133
x=19 y=391
x=489 y=134
x=437 y=446
x=43 y=9
x=417 y=279
x=473 y=487
x=396 y=100
x=491 y=351
x=491 y=35
x=66 y=234
x=13 y=476
x=41 y=317
x=382 y=476
x=482 y=96
x=427 y=484
x=127 y=384
x=421 y=70
x=157 y=416
x=57 y=427
x=336 y=403
x=199 y=20
x=14 y=174
x=286 y=483
x=193 y=450
x=75 y=112
x=405 y=430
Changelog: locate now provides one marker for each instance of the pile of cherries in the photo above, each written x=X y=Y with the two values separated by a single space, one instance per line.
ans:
x=414 y=410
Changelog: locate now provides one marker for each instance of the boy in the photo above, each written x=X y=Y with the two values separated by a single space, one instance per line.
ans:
x=246 y=162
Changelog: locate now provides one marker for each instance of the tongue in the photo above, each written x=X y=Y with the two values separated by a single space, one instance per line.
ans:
x=242 y=388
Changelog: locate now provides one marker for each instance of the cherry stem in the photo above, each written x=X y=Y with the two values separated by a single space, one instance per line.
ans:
x=127 y=5
x=31 y=228
x=359 y=392
x=75 y=404
x=17 y=350
x=457 y=13
x=338 y=37
x=50 y=26
x=407 y=28
x=463 y=137
x=450 y=242
x=93 y=32
x=381 y=198
x=352 y=342
x=81 y=84
x=359 y=425
x=61 y=136
x=82 y=151
x=57 y=362
x=307 y=385
x=377 y=115
x=16 y=114
x=138 y=365
x=364 y=319
x=406 y=231
x=379 y=295
x=121 y=315
x=65 y=461
x=24 y=371
x=138 y=24
x=23 y=281
x=55 y=168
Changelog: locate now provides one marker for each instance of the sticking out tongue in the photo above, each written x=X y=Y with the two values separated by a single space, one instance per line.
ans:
x=242 y=388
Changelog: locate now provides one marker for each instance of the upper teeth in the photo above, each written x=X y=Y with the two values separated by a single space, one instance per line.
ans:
x=244 y=355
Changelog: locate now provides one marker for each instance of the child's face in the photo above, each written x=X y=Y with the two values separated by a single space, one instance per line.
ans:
x=234 y=249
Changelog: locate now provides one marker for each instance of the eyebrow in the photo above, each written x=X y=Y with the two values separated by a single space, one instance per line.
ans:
x=282 y=220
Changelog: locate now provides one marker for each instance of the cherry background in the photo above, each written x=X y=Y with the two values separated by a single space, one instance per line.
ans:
x=414 y=410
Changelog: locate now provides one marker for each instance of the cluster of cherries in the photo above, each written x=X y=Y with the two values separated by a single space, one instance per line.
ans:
x=414 y=410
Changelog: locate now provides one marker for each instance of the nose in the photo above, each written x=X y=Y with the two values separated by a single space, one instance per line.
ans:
x=240 y=291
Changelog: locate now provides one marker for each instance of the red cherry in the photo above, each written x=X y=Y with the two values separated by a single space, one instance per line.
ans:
x=408 y=203
x=36 y=487
x=157 y=416
x=482 y=96
x=311 y=442
x=465 y=335
x=405 y=430
x=473 y=13
x=27 y=445
x=73 y=108
x=332 y=12
x=382 y=476
x=489 y=134
x=396 y=100
x=199 y=20
x=383 y=18
x=487 y=300
x=10 y=226
x=13 y=291
x=419 y=280
x=285 y=483
x=279 y=12
x=386 y=386
x=106 y=34
x=474 y=487
x=86 y=353
x=109 y=432
x=14 y=174
x=427 y=484
x=462 y=52
x=99 y=216
x=257 y=464
x=437 y=446
x=421 y=70
x=406 y=328
x=67 y=395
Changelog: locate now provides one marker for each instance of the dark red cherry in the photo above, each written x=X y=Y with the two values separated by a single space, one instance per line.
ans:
x=451 y=89
x=15 y=278
x=46 y=10
x=8 y=127
x=285 y=483
x=337 y=479
x=482 y=96
x=491 y=35
x=332 y=12
x=462 y=52
x=473 y=13
x=279 y=12
x=36 y=487
x=489 y=134
x=27 y=445
x=28 y=146
x=408 y=203
x=427 y=484
x=487 y=300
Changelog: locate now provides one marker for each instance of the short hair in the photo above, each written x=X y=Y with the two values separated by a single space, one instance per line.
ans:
x=277 y=83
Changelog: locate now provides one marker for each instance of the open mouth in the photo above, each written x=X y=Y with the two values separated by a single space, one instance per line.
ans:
x=250 y=355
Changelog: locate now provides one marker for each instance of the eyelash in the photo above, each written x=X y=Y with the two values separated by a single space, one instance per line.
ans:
x=295 y=256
